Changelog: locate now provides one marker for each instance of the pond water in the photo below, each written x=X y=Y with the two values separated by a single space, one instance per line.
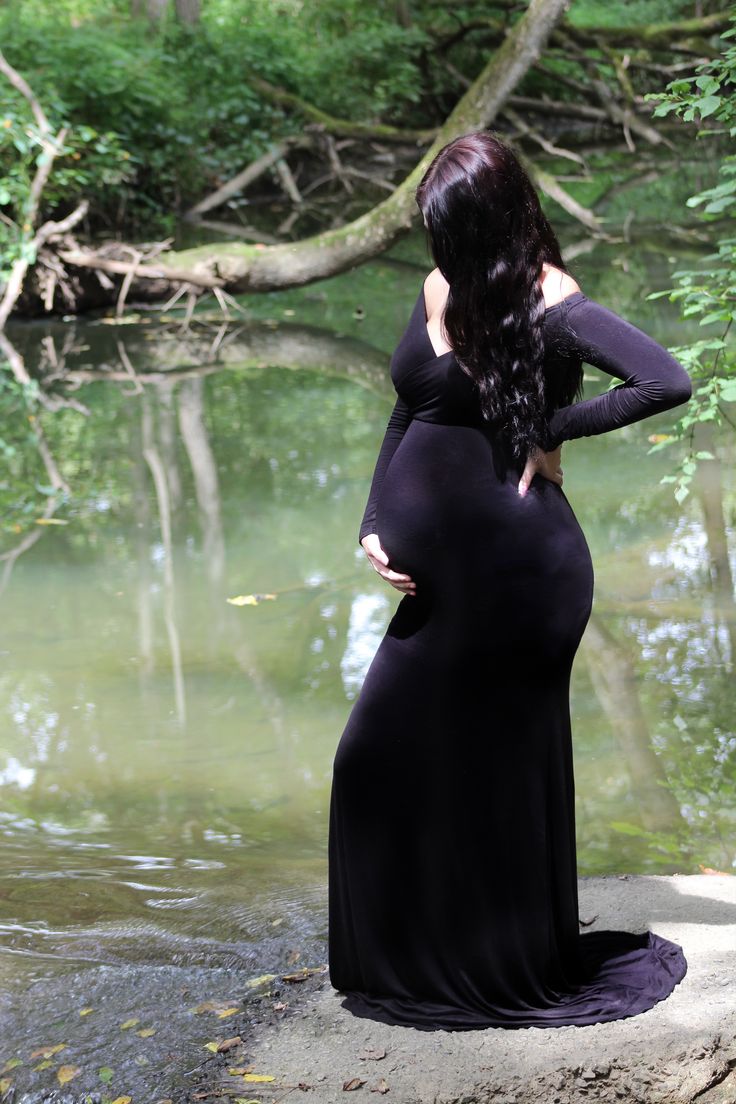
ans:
x=165 y=755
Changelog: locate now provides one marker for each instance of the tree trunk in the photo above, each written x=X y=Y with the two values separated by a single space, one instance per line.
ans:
x=156 y=9
x=188 y=11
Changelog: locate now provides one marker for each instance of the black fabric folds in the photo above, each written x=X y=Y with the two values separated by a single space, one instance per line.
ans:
x=452 y=854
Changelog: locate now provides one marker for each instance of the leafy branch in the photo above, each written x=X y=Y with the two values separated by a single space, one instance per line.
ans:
x=708 y=293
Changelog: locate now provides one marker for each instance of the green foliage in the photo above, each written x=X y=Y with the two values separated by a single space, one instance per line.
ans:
x=87 y=164
x=707 y=293
x=160 y=115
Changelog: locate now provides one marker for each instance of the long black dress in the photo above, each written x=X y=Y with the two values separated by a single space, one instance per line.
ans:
x=452 y=856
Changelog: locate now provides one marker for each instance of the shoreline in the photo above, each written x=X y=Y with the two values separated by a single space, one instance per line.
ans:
x=285 y=1035
x=682 y=1049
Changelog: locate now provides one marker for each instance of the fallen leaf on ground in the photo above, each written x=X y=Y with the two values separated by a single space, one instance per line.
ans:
x=228 y=1044
x=238 y=1071
x=47 y=1051
x=372 y=1052
x=225 y=1012
x=381 y=1087
x=66 y=1073
x=146 y=1032
x=253 y=983
x=122 y=1100
x=205 y=1006
x=279 y=1006
x=302 y=974
x=11 y=1064
x=85 y=1011
x=5 y=1083
x=43 y=1065
x=105 y=1073
x=129 y=1023
x=213 y=1006
x=258 y=1077
x=353 y=1083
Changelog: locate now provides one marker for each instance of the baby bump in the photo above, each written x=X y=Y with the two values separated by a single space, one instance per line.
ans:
x=451 y=519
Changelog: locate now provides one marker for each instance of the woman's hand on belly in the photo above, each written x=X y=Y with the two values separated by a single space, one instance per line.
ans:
x=379 y=560
x=547 y=464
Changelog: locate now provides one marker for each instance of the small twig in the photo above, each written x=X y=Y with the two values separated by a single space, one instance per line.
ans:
x=191 y=303
x=173 y=300
x=222 y=301
x=549 y=147
x=336 y=163
x=127 y=281
x=379 y=181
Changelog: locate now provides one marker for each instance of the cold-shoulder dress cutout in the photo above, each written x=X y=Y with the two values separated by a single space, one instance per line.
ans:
x=452 y=854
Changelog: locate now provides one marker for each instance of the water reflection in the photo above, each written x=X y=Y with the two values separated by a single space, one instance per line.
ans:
x=165 y=757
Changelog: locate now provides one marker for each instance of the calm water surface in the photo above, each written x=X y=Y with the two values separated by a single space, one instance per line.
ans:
x=165 y=756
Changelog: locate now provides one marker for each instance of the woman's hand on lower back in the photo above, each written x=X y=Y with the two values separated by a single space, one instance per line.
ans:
x=547 y=464
x=379 y=560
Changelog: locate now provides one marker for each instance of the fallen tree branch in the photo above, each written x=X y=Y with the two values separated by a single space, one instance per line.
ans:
x=251 y=172
x=345 y=127
x=549 y=147
x=20 y=267
x=654 y=35
x=82 y=258
x=548 y=184
x=624 y=116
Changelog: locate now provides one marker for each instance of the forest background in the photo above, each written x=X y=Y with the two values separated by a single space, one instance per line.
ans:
x=209 y=247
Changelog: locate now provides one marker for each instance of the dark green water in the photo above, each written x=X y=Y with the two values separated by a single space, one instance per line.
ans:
x=165 y=756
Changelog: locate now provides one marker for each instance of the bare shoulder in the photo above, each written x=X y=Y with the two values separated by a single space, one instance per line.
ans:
x=556 y=285
x=436 y=288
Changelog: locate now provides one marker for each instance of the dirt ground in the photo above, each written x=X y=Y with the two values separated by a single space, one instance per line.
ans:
x=682 y=1050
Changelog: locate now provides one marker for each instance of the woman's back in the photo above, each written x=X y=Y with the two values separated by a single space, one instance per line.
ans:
x=453 y=876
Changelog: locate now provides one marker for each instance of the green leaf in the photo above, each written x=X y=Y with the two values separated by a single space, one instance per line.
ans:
x=728 y=390
x=707 y=105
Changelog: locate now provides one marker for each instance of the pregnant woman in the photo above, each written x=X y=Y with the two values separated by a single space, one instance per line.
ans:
x=452 y=856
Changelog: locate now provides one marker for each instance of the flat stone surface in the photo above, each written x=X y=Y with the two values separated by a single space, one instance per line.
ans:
x=683 y=1048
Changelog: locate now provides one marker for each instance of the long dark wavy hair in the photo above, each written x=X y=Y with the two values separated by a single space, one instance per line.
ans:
x=489 y=237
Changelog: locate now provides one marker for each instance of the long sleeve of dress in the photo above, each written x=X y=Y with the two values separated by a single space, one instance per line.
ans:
x=396 y=428
x=652 y=379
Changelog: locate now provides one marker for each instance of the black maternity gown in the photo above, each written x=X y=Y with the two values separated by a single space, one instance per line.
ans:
x=452 y=856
